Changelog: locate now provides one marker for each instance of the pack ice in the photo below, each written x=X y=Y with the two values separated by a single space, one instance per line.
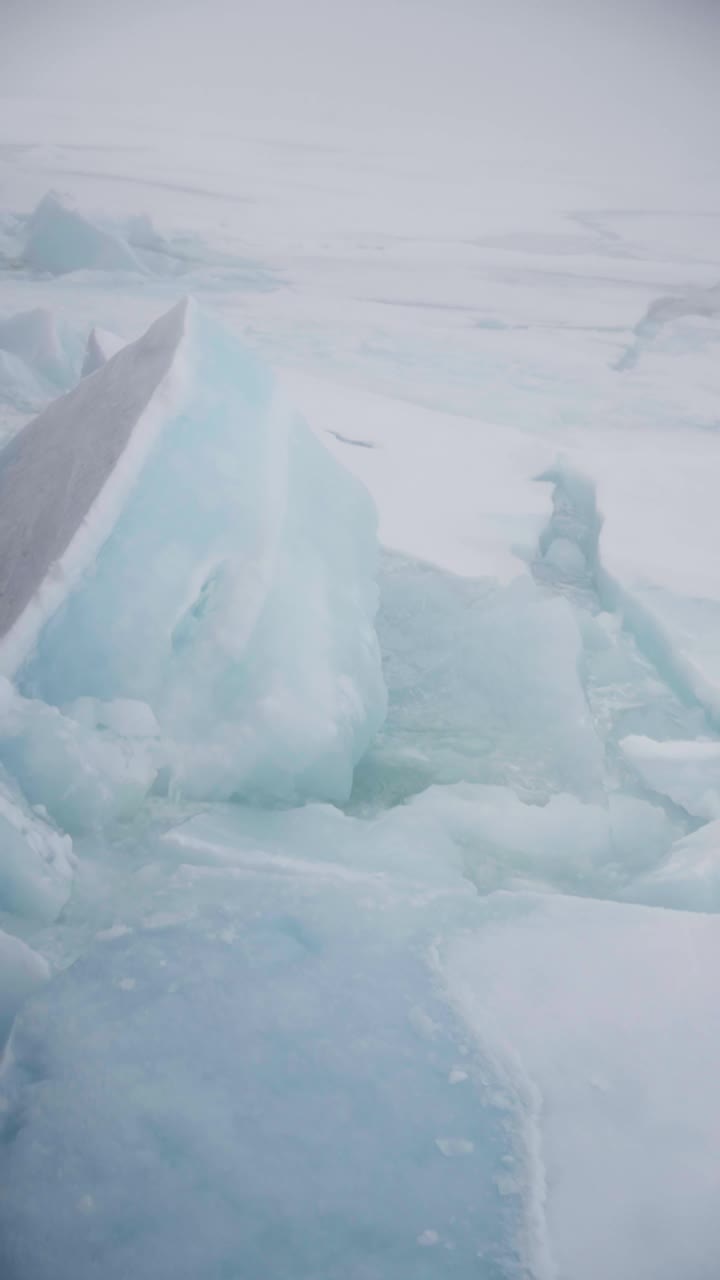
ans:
x=187 y=586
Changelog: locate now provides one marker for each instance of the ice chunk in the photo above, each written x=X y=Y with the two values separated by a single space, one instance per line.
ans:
x=54 y=473
x=51 y=350
x=689 y=878
x=40 y=355
x=22 y=971
x=605 y=1017
x=88 y=767
x=687 y=772
x=101 y=345
x=59 y=240
x=36 y=862
x=19 y=389
x=142 y=234
x=232 y=584
x=484 y=686
x=500 y=841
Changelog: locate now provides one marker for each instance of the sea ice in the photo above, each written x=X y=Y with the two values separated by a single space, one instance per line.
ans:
x=176 y=536
x=689 y=877
x=90 y=765
x=688 y=773
x=59 y=240
x=22 y=970
x=50 y=349
x=36 y=861
x=484 y=686
x=246 y=1085
x=602 y=1016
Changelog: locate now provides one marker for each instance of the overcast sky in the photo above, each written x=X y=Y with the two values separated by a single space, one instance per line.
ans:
x=631 y=81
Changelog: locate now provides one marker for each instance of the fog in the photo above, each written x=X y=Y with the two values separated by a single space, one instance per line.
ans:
x=597 y=87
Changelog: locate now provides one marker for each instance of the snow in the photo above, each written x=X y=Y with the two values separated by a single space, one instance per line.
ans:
x=601 y=1010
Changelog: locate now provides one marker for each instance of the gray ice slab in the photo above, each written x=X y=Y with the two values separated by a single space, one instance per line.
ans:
x=52 y=472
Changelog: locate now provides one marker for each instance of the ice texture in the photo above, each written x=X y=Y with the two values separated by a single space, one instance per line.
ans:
x=36 y=860
x=101 y=345
x=688 y=773
x=48 y=348
x=181 y=539
x=484 y=686
x=689 y=877
x=600 y=1014
x=59 y=239
x=253 y=1061
x=40 y=355
x=22 y=971
x=90 y=765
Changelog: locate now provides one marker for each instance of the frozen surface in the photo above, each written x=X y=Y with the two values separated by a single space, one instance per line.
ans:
x=687 y=772
x=599 y=1011
x=484 y=685
x=88 y=765
x=464 y=1026
x=258 y=1039
x=689 y=877
x=36 y=860
x=22 y=971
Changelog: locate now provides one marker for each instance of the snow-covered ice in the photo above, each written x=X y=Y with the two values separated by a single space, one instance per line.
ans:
x=592 y=1008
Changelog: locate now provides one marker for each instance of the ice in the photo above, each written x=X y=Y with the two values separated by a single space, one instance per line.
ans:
x=266 y=1051
x=40 y=356
x=196 y=550
x=36 y=861
x=101 y=345
x=22 y=971
x=689 y=877
x=60 y=239
x=462 y=1022
x=89 y=766
x=601 y=1015
x=687 y=772
x=500 y=841
x=53 y=473
x=484 y=686
x=49 y=349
